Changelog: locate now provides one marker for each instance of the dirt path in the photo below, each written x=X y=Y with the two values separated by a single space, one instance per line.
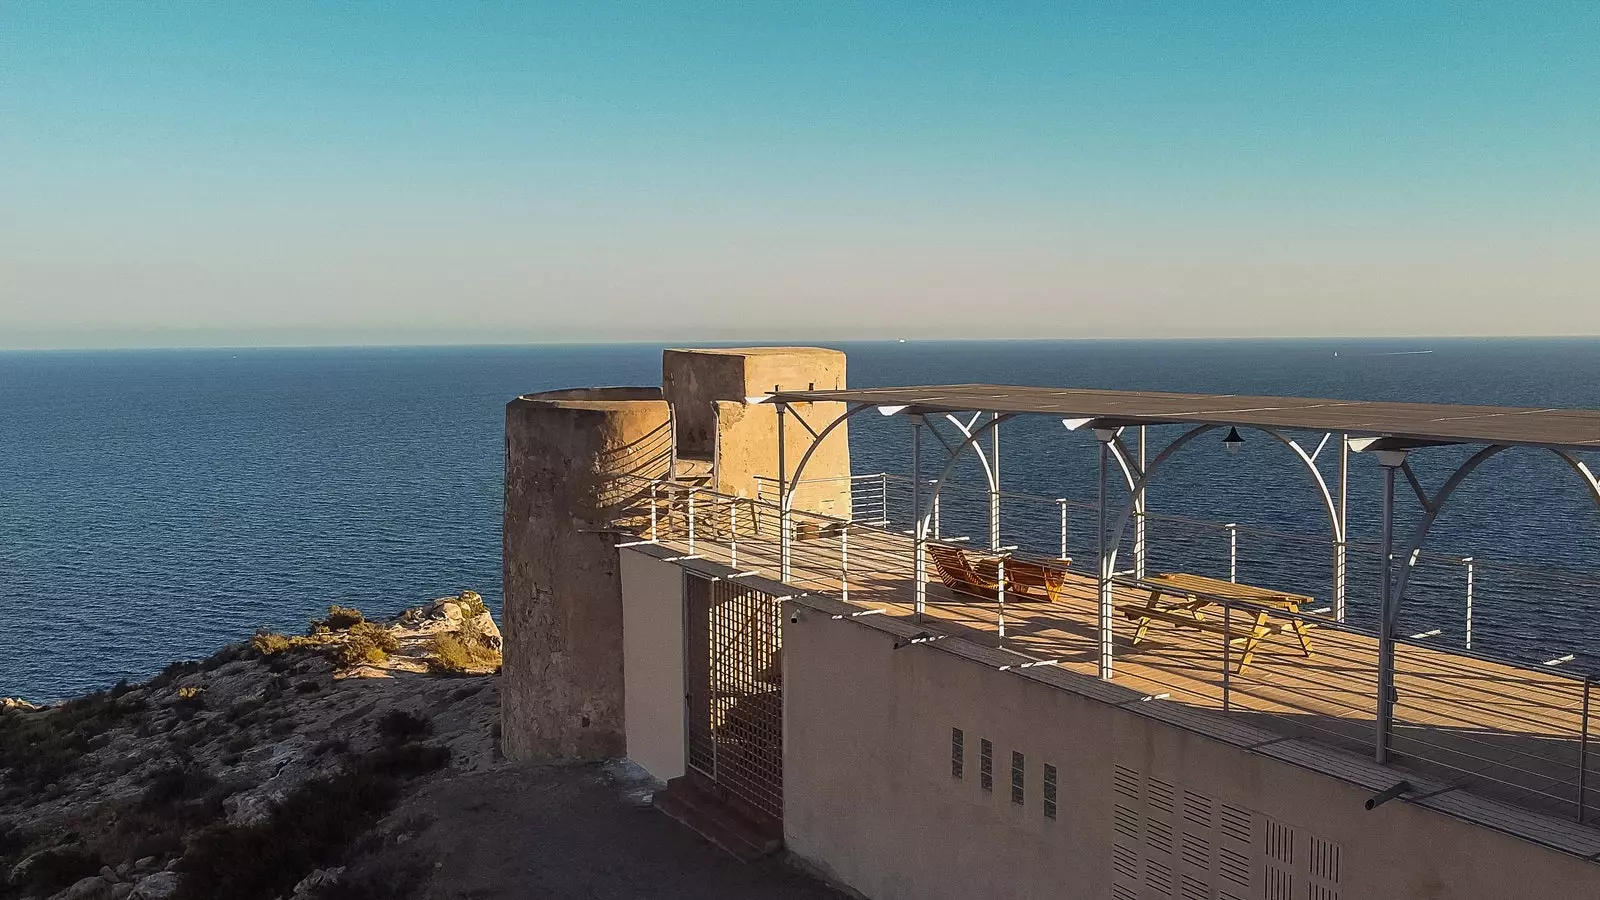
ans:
x=536 y=832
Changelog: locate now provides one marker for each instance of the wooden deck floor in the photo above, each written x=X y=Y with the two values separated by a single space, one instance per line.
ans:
x=1495 y=729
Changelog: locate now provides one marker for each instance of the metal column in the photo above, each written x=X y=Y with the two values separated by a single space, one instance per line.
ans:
x=783 y=499
x=1138 y=515
x=921 y=565
x=1390 y=611
x=1106 y=611
x=1340 y=575
x=994 y=486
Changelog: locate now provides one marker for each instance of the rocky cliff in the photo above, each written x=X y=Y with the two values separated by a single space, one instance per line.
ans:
x=267 y=770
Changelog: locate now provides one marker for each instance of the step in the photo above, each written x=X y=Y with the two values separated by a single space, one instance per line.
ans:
x=716 y=821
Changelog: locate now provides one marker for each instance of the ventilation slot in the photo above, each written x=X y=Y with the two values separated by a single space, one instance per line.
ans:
x=1318 y=892
x=1280 y=842
x=1049 y=791
x=1118 y=892
x=1161 y=794
x=1017 y=781
x=958 y=753
x=1158 y=878
x=1125 y=861
x=985 y=764
x=1197 y=851
x=1279 y=885
x=1324 y=860
x=1234 y=823
x=1158 y=835
x=1194 y=889
x=1125 y=821
x=1125 y=781
x=1197 y=809
x=1234 y=866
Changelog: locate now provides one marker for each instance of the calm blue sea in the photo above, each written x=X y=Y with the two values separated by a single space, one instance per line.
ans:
x=154 y=504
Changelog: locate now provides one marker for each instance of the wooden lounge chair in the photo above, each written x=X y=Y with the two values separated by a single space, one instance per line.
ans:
x=1026 y=577
x=979 y=575
x=960 y=572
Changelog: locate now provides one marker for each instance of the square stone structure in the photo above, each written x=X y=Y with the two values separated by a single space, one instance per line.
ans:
x=708 y=390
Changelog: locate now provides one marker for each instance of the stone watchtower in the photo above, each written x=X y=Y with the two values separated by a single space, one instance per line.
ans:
x=575 y=459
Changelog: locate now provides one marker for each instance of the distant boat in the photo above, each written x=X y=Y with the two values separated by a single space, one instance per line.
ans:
x=902 y=340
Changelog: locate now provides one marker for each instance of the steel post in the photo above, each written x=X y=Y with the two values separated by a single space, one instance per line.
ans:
x=733 y=533
x=1138 y=515
x=994 y=485
x=1000 y=596
x=1340 y=570
x=938 y=529
x=920 y=565
x=1104 y=581
x=691 y=520
x=844 y=563
x=655 y=535
x=1583 y=755
x=1063 y=504
x=1388 y=618
x=1233 y=551
x=1227 y=653
x=784 y=536
x=1468 y=563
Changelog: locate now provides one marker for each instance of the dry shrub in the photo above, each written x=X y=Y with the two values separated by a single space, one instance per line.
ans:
x=365 y=643
x=267 y=643
x=456 y=654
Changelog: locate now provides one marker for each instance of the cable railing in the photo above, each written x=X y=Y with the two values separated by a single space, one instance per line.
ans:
x=1446 y=587
x=1469 y=719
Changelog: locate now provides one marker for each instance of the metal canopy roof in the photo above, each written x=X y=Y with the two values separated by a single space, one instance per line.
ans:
x=1569 y=429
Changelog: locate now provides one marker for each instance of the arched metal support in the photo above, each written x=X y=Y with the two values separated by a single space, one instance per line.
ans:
x=1394 y=594
x=991 y=470
x=787 y=485
x=1140 y=480
x=925 y=512
x=1112 y=539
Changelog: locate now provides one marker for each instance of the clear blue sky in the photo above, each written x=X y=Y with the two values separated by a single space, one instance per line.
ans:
x=401 y=172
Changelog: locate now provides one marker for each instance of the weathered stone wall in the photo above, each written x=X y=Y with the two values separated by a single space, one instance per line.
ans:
x=563 y=673
x=707 y=389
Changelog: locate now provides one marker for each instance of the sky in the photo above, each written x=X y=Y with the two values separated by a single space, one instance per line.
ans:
x=383 y=172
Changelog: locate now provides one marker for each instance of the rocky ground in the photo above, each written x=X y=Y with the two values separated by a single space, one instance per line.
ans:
x=274 y=768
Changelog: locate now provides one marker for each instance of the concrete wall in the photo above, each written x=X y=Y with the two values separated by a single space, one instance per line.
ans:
x=563 y=623
x=870 y=797
x=707 y=389
x=652 y=640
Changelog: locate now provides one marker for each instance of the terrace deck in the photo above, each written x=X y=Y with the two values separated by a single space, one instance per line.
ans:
x=1496 y=730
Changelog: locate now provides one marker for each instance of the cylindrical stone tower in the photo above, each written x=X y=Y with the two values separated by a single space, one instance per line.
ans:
x=566 y=455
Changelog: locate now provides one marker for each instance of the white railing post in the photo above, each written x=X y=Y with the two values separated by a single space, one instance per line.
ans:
x=1062 y=502
x=883 y=487
x=1000 y=595
x=733 y=532
x=691 y=521
x=655 y=535
x=1467 y=561
x=938 y=531
x=1233 y=551
x=844 y=563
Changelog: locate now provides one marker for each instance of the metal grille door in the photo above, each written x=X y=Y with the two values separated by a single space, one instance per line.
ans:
x=735 y=691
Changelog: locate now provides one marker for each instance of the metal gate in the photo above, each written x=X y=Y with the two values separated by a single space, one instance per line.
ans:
x=735 y=691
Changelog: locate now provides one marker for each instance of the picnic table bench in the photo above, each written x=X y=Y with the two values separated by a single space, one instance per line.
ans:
x=1182 y=600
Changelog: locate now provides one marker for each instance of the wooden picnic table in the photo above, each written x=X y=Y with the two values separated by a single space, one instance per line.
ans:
x=1184 y=601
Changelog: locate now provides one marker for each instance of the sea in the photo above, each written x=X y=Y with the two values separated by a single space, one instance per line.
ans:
x=155 y=504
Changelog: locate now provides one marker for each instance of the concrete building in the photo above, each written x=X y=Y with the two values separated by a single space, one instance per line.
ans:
x=810 y=673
